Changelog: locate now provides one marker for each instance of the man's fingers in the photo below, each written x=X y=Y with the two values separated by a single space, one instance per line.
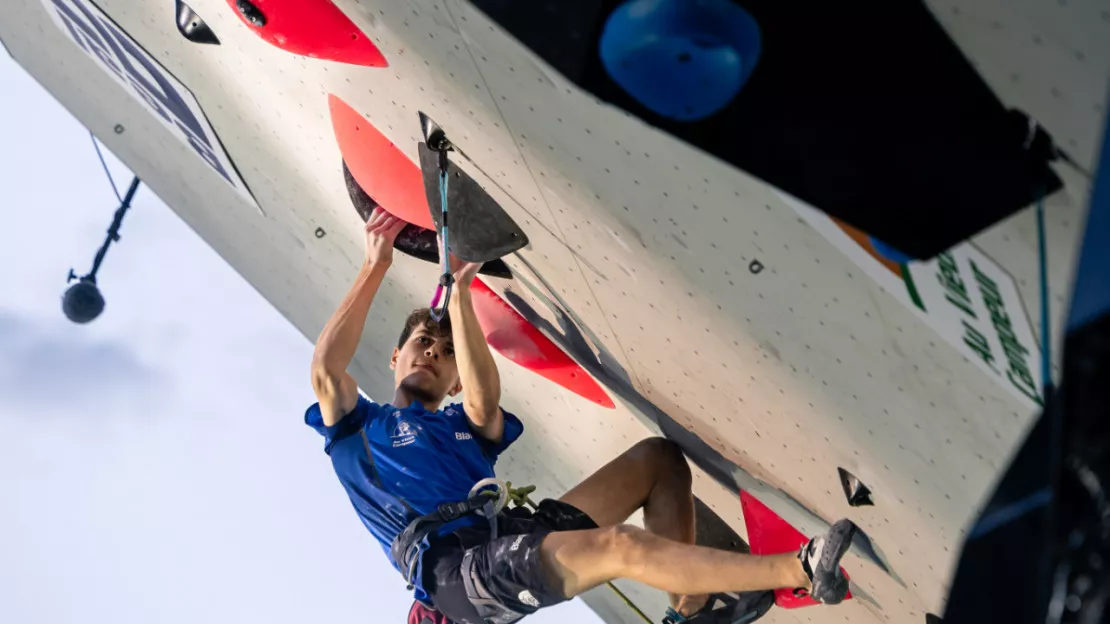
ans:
x=376 y=217
x=383 y=224
x=397 y=225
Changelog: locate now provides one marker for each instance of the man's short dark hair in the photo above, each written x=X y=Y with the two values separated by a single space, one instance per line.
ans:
x=423 y=318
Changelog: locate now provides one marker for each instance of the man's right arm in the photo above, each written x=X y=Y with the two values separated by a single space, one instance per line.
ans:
x=335 y=389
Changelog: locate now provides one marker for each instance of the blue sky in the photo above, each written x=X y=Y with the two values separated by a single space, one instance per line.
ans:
x=154 y=466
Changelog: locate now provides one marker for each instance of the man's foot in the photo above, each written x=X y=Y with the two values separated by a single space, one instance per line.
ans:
x=727 y=608
x=821 y=562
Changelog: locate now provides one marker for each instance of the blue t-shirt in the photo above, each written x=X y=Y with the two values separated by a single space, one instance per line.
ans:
x=425 y=458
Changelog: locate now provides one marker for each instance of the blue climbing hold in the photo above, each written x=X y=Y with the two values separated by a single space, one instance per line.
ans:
x=682 y=59
x=890 y=253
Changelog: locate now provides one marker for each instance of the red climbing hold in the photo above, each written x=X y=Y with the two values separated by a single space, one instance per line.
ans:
x=315 y=28
x=769 y=534
x=511 y=335
x=379 y=166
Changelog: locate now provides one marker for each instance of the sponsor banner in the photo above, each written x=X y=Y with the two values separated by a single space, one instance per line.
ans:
x=967 y=298
x=147 y=81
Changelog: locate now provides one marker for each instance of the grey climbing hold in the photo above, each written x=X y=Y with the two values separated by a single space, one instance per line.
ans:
x=320 y=233
x=755 y=267
x=480 y=230
x=118 y=129
x=413 y=240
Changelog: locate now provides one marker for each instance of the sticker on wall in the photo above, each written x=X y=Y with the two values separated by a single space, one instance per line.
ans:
x=965 y=296
x=147 y=81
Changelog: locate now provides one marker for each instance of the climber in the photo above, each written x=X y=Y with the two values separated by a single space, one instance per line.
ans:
x=408 y=467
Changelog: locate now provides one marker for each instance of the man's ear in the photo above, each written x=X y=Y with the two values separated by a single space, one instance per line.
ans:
x=393 y=359
x=455 y=390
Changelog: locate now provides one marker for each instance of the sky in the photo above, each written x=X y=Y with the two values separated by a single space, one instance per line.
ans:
x=154 y=464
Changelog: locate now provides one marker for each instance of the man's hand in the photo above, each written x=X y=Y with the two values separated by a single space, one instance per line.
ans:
x=381 y=231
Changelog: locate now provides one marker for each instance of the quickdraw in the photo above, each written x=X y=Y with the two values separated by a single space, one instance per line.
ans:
x=446 y=279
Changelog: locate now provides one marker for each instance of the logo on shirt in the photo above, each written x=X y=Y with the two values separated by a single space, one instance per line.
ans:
x=459 y=435
x=403 y=434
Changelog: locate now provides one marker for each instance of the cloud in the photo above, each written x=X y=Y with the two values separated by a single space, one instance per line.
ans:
x=55 y=364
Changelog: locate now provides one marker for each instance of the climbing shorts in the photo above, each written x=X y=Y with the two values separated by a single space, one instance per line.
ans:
x=506 y=570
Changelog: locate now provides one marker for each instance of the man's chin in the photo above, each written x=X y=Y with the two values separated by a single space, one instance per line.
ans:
x=420 y=388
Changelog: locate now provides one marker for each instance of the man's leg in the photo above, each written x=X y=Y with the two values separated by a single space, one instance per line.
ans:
x=654 y=475
x=578 y=561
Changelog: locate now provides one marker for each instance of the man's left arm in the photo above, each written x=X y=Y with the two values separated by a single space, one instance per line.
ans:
x=477 y=370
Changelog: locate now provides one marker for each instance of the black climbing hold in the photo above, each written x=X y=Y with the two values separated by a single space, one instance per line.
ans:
x=434 y=136
x=193 y=27
x=118 y=129
x=858 y=494
x=481 y=230
x=755 y=267
x=251 y=13
x=413 y=240
x=320 y=233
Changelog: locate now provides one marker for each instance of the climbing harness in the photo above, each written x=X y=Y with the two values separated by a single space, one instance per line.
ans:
x=406 y=546
x=483 y=502
x=488 y=504
x=446 y=279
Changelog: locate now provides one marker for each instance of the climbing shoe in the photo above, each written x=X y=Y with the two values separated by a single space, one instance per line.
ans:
x=821 y=562
x=727 y=608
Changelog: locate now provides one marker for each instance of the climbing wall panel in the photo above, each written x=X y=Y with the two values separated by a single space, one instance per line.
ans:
x=640 y=261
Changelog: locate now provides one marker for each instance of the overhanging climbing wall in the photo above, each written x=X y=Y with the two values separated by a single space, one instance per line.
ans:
x=705 y=305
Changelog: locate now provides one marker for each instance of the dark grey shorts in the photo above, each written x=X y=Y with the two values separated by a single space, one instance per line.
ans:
x=509 y=566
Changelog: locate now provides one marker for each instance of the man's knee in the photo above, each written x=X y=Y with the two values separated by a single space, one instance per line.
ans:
x=624 y=546
x=663 y=456
x=576 y=561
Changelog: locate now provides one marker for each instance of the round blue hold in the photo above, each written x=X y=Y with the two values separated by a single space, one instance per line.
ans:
x=682 y=59
x=890 y=253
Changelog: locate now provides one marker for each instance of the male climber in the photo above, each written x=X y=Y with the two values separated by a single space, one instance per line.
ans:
x=410 y=464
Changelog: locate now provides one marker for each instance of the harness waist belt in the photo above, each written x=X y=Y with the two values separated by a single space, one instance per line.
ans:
x=405 y=549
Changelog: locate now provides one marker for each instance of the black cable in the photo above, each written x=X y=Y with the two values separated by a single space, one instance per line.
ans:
x=105 y=165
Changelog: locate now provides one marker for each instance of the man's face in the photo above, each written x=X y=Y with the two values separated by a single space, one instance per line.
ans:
x=425 y=366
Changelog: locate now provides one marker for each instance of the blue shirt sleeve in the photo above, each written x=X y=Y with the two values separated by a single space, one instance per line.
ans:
x=349 y=424
x=513 y=430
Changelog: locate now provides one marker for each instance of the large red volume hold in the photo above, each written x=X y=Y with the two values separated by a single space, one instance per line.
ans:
x=379 y=166
x=769 y=534
x=518 y=340
x=315 y=28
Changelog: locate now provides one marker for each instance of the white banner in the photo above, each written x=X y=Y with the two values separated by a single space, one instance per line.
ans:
x=968 y=299
x=147 y=81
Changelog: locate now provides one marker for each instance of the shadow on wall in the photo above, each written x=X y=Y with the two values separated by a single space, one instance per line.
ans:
x=584 y=346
